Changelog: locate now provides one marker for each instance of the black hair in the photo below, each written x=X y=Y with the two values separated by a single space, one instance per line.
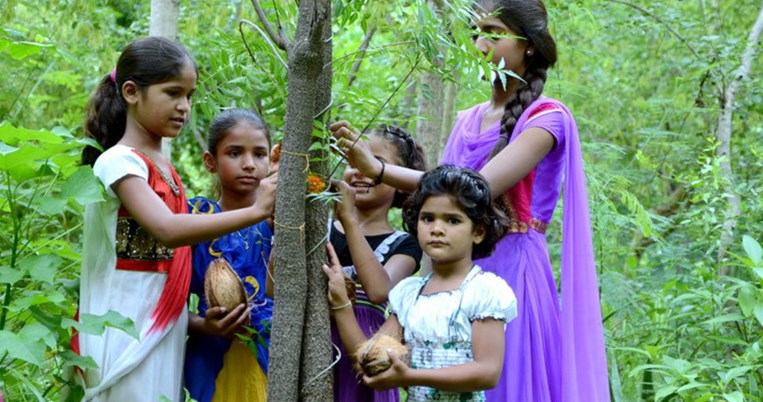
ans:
x=528 y=19
x=228 y=119
x=145 y=62
x=467 y=188
x=409 y=153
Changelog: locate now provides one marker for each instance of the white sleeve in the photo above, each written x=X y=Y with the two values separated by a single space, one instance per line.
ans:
x=402 y=296
x=117 y=163
x=490 y=297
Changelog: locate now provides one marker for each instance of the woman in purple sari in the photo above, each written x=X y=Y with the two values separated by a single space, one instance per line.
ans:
x=527 y=147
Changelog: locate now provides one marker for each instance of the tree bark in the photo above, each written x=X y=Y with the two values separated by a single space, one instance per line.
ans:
x=316 y=375
x=294 y=283
x=723 y=134
x=164 y=22
x=434 y=104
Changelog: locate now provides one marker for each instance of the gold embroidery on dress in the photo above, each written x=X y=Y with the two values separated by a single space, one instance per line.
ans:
x=169 y=180
x=516 y=225
x=135 y=243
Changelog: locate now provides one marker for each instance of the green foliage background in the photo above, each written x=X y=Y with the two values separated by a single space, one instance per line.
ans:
x=642 y=79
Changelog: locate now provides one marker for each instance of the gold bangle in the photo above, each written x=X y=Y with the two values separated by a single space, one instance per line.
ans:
x=343 y=306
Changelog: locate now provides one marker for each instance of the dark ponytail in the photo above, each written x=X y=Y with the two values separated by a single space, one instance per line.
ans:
x=145 y=62
x=529 y=19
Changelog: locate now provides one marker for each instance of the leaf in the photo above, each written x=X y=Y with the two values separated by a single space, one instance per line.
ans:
x=41 y=267
x=29 y=350
x=753 y=249
x=10 y=276
x=746 y=301
x=758 y=313
x=49 y=205
x=736 y=396
x=22 y=50
x=72 y=359
x=83 y=186
x=664 y=392
x=95 y=324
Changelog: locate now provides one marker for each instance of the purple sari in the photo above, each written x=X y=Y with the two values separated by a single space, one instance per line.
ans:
x=553 y=353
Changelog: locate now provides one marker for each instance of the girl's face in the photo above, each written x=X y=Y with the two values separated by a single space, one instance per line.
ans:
x=445 y=232
x=163 y=108
x=494 y=36
x=242 y=159
x=368 y=194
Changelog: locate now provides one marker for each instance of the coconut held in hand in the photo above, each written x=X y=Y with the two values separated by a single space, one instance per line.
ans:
x=222 y=286
x=372 y=358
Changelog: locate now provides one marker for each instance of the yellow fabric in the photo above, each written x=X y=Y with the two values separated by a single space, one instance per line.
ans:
x=241 y=378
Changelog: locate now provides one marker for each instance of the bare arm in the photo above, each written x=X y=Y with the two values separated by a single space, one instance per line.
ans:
x=360 y=156
x=175 y=230
x=377 y=280
x=518 y=159
x=480 y=374
x=347 y=325
x=510 y=166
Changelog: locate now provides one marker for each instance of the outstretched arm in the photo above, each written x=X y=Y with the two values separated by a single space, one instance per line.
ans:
x=505 y=170
x=360 y=156
x=377 y=280
x=480 y=374
x=175 y=230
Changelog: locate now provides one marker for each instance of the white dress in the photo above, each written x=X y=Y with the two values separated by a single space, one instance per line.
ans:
x=438 y=327
x=129 y=369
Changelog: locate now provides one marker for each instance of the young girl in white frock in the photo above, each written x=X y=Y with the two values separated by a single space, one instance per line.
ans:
x=453 y=320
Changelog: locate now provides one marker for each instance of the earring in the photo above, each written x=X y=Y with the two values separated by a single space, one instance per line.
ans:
x=529 y=53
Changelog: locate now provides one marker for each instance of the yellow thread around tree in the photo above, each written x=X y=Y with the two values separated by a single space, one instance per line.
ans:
x=307 y=157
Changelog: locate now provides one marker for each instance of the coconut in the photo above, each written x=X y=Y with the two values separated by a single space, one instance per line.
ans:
x=222 y=286
x=372 y=358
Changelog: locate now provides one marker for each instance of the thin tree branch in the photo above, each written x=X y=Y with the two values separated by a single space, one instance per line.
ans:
x=723 y=134
x=661 y=21
x=344 y=56
x=281 y=40
x=264 y=36
x=362 y=50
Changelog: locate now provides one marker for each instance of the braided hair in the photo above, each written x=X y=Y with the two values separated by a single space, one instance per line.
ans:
x=529 y=19
x=409 y=153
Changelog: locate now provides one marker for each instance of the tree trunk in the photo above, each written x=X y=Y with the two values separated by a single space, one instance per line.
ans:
x=164 y=22
x=723 y=134
x=435 y=107
x=294 y=283
x=316 y=375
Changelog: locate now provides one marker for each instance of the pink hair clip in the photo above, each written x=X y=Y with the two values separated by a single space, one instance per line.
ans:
x=113 y=75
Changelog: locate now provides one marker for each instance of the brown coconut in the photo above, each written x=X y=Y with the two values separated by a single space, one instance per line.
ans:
x=222 y=286
x=372 y=358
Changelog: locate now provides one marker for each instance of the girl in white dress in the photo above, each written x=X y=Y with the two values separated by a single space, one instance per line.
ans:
x=453 y=320
x=135 y=257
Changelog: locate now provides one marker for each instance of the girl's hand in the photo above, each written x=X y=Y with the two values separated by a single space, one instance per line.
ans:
x=393 y=377
x=359 y=154
x=337 y=291
x=266 y=194
x=219 y=322
x=344 y=209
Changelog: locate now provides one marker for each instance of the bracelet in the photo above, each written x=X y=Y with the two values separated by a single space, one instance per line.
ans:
x=381 y=174
x=343 y=306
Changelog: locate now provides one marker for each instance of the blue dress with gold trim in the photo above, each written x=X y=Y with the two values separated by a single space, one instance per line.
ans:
x=247 y=251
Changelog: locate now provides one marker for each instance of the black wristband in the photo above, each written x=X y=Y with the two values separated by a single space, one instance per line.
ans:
x=381 y=174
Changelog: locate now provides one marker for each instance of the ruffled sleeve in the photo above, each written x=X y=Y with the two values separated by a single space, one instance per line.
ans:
x=403 y=296
x=116 y=163
x=488 y=296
